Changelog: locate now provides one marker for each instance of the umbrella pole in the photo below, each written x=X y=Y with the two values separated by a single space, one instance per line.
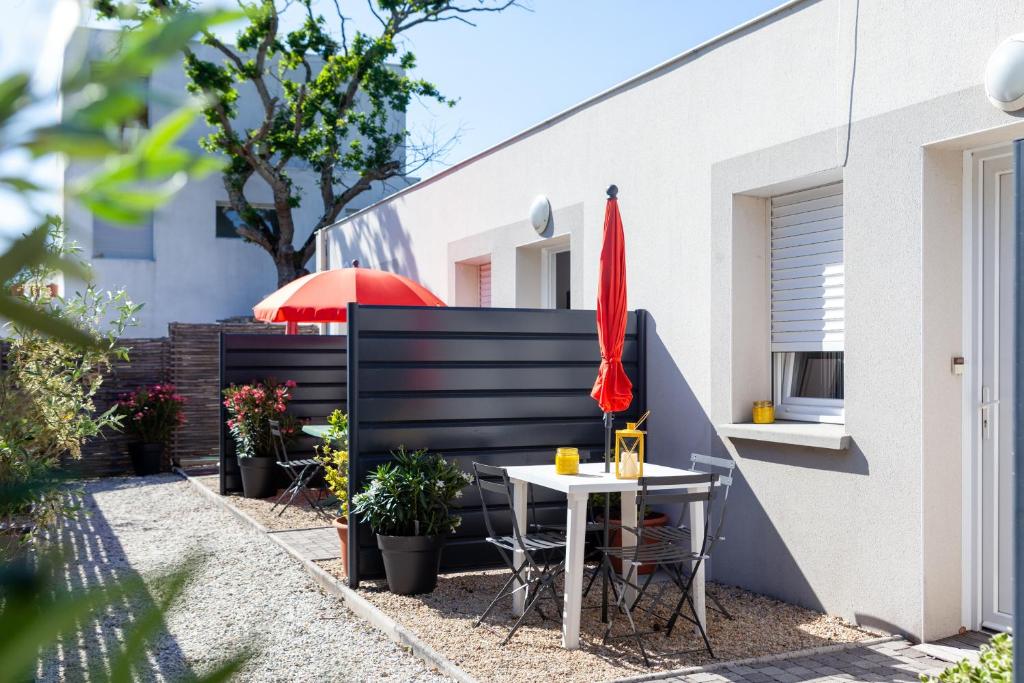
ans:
x=608 y=419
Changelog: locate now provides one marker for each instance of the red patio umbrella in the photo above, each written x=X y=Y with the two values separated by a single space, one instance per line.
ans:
x=613 y=391
x=324 y=297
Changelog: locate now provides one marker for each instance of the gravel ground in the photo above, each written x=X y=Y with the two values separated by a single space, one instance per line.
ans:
x=444 y=619
x=296 y=516
x=247 y=593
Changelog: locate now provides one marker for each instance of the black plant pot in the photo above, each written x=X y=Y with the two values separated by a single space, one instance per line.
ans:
x=146 y=457
x=258 y=477
x=411 y=563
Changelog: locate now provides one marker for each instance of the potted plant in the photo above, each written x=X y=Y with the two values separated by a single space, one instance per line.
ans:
x=251 y=407
x=333 y=454
x=407 y=504
x=150 y=414
x=651 y=519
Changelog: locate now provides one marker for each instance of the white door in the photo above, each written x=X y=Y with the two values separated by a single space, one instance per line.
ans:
x=994 y=387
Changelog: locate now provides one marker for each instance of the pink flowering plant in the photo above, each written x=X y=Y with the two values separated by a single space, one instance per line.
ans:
x=250 y=408
x=152 y=413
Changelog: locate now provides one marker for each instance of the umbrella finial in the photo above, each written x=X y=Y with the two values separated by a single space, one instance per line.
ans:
x=613 y=191
x=355 y=263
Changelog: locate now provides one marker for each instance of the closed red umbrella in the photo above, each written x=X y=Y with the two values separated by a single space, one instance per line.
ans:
x=324 y=297
x=613 y=391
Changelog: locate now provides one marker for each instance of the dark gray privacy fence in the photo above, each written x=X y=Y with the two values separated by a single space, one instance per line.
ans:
x=493 y=385
x=318 y=364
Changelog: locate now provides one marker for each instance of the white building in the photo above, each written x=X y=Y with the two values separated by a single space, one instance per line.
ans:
x=187 y=264
x=816 y=211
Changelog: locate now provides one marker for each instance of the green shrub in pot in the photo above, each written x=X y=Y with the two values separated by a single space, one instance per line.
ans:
x=407 y=503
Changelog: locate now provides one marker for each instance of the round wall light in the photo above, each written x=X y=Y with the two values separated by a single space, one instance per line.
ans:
x=540 y=214
x=1004 y=74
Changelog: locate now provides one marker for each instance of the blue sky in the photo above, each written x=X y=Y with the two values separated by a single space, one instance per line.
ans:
x=510 y=71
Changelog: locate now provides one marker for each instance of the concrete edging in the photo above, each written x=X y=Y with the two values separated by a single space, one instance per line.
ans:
x=363 y=609
x=356 y=603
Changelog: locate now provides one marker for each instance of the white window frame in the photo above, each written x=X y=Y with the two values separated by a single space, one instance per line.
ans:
x=801 y=408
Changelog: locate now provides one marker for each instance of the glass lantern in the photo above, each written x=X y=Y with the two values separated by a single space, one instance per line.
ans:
x=629 y=452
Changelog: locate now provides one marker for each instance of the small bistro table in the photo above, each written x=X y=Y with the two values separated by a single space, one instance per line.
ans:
x=319 y=431
x=593 y=479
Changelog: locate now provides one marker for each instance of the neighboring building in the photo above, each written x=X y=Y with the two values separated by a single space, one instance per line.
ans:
x=817 y=209
x=186 y=264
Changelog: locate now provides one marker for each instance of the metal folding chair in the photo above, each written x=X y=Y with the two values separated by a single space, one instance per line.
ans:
x=300 y=472
x=667 y=549
x=538 y=572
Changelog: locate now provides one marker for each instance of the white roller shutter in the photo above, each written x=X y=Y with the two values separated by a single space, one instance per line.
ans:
x=807 y=270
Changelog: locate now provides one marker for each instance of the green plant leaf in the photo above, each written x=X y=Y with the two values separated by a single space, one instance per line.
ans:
x=22 y=313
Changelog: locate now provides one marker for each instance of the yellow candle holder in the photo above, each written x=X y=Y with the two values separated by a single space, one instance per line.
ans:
x=764 y=412
x=567 y=460
x=629 y=452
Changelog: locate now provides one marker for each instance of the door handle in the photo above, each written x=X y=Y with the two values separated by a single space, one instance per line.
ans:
x=986 y=412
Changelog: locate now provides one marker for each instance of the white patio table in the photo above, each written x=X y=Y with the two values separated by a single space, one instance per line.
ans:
x=593 y=479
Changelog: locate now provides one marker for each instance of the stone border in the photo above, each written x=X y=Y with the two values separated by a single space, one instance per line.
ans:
x=356 y=603
x=407 y=639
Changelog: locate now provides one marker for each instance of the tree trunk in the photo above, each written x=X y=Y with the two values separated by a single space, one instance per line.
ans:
x=286 y=270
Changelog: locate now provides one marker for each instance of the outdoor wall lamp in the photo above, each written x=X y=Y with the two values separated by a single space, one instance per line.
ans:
x=540 y=214
x=1004 y=74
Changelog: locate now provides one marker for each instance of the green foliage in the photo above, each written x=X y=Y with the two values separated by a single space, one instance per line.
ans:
x=333 y=110
x=47 y=394
x=995 y=665
x=97 y=101
x=151 y=414
x=412 y=495
x=333 y=454
x=251 y=407
x=37 y=612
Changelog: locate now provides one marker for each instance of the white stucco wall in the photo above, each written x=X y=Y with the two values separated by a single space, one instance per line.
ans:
x=870 y=533
x=194 y=276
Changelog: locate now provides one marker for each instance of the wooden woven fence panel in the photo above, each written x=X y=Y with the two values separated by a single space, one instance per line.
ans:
x=195 y=370
x=107 y=455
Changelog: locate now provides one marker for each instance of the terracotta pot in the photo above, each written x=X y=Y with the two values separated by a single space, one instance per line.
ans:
x=656 y=519
x=341 y=524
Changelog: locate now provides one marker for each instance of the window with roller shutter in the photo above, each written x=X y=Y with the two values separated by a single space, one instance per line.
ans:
x=808 y=304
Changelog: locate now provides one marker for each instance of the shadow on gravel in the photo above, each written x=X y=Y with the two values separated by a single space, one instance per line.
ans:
x=95 y=558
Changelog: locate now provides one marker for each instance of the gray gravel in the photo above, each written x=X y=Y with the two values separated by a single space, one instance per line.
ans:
x=247 y=593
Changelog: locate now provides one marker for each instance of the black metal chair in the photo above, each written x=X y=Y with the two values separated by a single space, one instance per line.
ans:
x=299 y=471
x=705 y=464
x=664 y=548
x=539 y=570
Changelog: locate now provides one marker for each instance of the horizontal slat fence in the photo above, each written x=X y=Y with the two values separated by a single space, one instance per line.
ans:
x=318 y=364
x=492 y=385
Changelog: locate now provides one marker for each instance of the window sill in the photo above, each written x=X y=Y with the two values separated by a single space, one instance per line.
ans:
x=812 y=434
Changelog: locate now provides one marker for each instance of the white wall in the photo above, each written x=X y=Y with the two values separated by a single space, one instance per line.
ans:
x=195 y=276
x=694 y=148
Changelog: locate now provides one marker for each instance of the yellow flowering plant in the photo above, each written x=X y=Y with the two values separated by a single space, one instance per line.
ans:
x=333 y=454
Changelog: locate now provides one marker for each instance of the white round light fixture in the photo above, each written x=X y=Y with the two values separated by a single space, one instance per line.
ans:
x=1004 y=74
x=540 y=214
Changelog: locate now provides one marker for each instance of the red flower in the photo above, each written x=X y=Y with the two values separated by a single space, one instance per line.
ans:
x=290 y=384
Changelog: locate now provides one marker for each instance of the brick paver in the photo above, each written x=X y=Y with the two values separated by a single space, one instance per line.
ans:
x=896 y=660
x=312 y=544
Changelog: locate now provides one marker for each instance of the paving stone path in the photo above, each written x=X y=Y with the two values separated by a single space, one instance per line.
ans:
x=897 y=660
